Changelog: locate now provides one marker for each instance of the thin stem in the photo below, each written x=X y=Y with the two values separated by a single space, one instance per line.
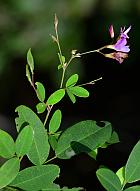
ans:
x=51 y=159
x=92 y=51
x=62 y=79
x=91 y=82
x=48 y=113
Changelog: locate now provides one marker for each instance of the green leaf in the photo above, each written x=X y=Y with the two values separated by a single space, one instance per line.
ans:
x=79 y=91
x=72 y=80
x=133 y=188
x=53 y=141
x=7 y=145
x=55 y=121
x=52 y=187
x=132 y=170
x=114 y=138
x=121 y=174
x=41 y=107
x=108 y=179
x=56 y=97
x=24 y=141
x=8 y=171
x=40 y=91
x=36 y=177
x=71 y=96
x=93 y=153
x=28 y=75
x=30 y=61
x=84 y=136
x=39 y=150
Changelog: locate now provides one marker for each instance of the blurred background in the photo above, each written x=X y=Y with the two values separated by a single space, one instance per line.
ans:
x=83 y=25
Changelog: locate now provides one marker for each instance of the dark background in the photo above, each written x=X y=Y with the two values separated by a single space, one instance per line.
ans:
x=83 y=25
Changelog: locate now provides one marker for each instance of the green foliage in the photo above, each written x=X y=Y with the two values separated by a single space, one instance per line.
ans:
x=84 y=136
x=55 y=121
x=72 y=80
x=79 y=91
x=71 y=96
x=109 y=179
x=8 y=171
x=39 y=150
x=40 y=91
x=56 y=97
x=121 y=174
x=30 y=61
x=24 y=141
x=132 y=170
x=7 y=145
x=133 y=188
x=41 y=107
x=36 y=177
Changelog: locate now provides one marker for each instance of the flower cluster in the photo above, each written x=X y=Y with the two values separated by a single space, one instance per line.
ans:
x=121 y=48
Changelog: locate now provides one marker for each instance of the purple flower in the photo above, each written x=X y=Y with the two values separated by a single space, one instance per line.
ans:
x=120 y=45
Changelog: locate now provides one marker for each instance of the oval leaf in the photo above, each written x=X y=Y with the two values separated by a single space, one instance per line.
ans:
x=7 y=145
x=24 y=141
x=55 y=121
x=30 y=61
x=40 y=91
x=41 y=107
x=53 y=141
x=108 y=179
x=8 y=171
x=72 y=80
x=28 y=75
x=79 y=91
x=133 y=188
x=56 y=97
x=84 y=136
x=132 y=170
x=36 y=177
x=39 y=150
x=121 y=174
x=71 y=96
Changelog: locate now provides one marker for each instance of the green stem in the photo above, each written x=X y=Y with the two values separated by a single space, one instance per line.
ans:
x=48 y=113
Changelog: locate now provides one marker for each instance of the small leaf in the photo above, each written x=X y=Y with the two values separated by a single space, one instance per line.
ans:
x=72 y=80
x=30 y=61
x=40 y=148
x=79 y=91
x=8 y=171
x=55 y=121
x=53 y=141
x=56 y=97
x=132 y=170
x=28 y=75
x=71 y=96
x=84 y=136
x=24 y=141
x=108 y=179
x=41 y=107
x=114 y=138
x=121 y=174
x=60 y=66
x=40 y=91
x=133 y=188
x=93 y=153
x=36 y=177
x=7 y=145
